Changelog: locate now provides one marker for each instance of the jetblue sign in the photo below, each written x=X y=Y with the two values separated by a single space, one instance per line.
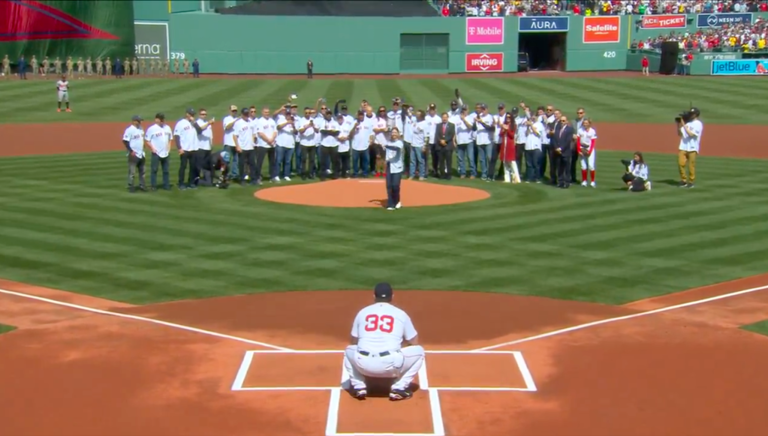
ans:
x=743 y=67
x=543 y=24
x=719 y=20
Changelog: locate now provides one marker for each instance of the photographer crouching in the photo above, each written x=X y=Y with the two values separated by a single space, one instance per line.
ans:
x=689 y=129
x=636 y=176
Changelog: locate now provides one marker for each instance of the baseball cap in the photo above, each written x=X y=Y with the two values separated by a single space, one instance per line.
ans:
x=233 y=108
x=191 y=111
x=515 y=110
x=432 y=106
x=502 y=105
x=160 y=116
x=454 y=102
x=137 y=118
x=245 y=111
x=695 y=111
x=396 y=100
x=383 y=291
x=344 y=107
x=483 y=106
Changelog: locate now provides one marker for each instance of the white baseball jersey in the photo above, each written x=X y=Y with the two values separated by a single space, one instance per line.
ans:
x=135 y=137
x=433 y=121
x=307 y=137
x=285 y=136
x=382 y=327
x=585 y=138
x=381 y=138
x=243 y=131
x=160 y=138
x=420 y=130
x=228 y=140
x=346 y=130
x=62 y=85
x=692 y=143
x=204 y=139
x=266 y=126
x=330 y=140
x=187 y=135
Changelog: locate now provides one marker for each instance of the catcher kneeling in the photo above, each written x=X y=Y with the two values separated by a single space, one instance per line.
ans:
x=384 y=346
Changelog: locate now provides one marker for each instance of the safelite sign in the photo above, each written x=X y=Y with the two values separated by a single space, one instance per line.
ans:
x=484 y=62
x=602 y=30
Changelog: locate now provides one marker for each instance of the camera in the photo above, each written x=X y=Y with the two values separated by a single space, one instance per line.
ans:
x=683 y=117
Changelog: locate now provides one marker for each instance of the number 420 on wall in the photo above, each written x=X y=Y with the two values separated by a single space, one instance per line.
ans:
x=609 y=54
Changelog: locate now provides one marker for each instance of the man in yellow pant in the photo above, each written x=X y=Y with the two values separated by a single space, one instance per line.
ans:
x=689 y=129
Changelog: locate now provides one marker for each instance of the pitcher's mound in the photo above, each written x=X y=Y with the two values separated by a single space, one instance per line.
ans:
x=369 y=193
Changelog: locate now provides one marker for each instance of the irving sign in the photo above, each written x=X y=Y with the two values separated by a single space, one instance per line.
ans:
x=484 y=62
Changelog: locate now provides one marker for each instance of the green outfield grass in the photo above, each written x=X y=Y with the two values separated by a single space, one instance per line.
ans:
x=68 y=223
x=758 y=327
x=6 y=328
x=648 y=100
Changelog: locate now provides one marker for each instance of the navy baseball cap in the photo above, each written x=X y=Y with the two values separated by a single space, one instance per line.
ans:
x=245 y=111
x=383 y=291
x=160 y=116
x=191 y=111
x=137 y=118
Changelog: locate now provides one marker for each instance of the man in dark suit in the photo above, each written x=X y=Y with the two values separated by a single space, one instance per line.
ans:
x=562 y=143
x=445 y=142
x=310 y=67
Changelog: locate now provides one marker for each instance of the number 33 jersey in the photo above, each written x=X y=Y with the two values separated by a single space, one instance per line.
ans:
x=382 y=327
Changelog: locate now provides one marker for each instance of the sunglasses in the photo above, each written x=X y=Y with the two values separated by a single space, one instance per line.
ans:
x=323 y=108
x=580 y=113
x=203 y=114
x=549 y=110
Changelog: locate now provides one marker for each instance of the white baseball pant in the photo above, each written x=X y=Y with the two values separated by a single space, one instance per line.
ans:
x=402 y=365
x=588 y=163
x=511 y=173
x=63 y=96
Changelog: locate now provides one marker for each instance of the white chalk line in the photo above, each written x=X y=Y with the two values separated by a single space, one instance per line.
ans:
x=622 y=318
x=141 y=318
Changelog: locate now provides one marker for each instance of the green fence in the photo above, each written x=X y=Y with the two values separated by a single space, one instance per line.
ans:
x=597 y=43
x=337 y=45
x=58 y=28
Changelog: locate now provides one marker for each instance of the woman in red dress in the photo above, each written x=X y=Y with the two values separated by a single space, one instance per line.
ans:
x=507 y=152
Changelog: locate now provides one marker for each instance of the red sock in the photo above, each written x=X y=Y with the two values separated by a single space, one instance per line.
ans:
x=593 y=175
x=583 y=175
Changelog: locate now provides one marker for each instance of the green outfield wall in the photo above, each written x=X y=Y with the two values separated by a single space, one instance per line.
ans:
x=241 y=44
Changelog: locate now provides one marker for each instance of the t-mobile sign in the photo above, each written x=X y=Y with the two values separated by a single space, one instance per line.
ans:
x=485 y=30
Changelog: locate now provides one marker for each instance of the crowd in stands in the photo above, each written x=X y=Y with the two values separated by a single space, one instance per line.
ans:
x=738 y=37
x=500 y=8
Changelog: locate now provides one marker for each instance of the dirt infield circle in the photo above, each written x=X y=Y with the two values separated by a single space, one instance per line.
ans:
x=369 y=193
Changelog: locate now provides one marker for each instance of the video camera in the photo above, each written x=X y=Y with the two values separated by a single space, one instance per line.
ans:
x=687 y=116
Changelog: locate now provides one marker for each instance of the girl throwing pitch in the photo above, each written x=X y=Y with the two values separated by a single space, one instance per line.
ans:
x=507 y=151
x=394 y=168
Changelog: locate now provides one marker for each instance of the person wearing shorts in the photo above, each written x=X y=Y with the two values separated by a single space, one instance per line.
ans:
x=62 y=87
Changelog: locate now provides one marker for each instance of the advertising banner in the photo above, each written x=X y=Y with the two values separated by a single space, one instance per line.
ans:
x=59 y=28
x=484 y=62
x=743 y=67
x=718 y=20
x=602 y=29
x=664 y=21
x=151 y=40
x=543 y=24
x=485 y=30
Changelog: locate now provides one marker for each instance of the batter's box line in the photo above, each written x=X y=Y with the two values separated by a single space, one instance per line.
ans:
x=530 y=385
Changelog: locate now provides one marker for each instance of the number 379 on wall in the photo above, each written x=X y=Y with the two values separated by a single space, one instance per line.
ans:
x=609 y=54
x=177 y=55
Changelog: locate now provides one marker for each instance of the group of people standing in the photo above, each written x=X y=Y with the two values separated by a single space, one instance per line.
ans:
x=97 y=67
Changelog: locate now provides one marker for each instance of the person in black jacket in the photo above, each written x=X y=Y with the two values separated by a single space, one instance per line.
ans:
x=563 y=148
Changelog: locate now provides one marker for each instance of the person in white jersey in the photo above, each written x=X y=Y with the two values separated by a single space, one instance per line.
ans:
x=395 y=165
x=586 y=138
x=229 y=143
x=245 y=145
x=203 y=152
x=185 y=136
x=433 y=118
x=307 y=132
x=158 y=138
x=285 y=141
x=421 y=128
x=689 y=129
x=345 y=132
x=361 y=141
x=133 y=140
x=62 y=87
x=384 y=345
x=265 y=129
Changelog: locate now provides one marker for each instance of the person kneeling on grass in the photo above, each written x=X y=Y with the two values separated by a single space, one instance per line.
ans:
x=636 y=176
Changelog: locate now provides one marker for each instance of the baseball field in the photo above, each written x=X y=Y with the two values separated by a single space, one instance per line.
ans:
x=543 y=311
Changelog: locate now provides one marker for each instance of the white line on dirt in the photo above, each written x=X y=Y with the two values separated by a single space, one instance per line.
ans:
x=141 y=318
x=622 y=318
